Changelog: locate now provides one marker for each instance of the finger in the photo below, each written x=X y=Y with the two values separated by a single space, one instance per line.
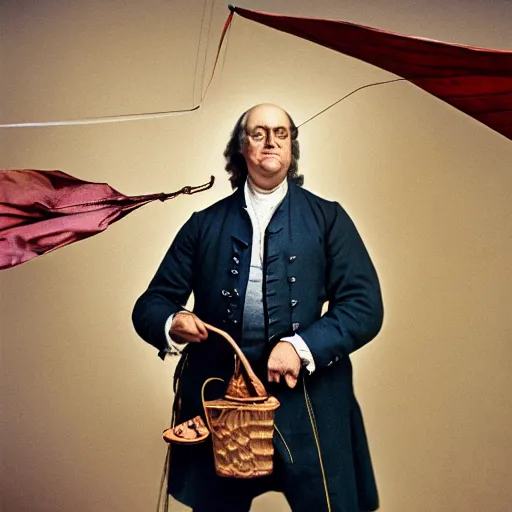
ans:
x=186 y=336
x=291 y=380
x=273 y=376
x=194 y=326
x=187 y=327
x=187 y=332
x=203 y=332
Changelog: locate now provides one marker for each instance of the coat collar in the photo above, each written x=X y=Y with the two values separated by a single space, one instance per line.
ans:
x=241 y=226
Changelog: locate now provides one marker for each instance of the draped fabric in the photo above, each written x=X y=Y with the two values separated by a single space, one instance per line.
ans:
x=477 y=81
x=41 y=211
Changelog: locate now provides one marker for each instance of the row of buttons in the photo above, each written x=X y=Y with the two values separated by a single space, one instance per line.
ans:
x=293 y=302
x=229 y=295
x=233 y=295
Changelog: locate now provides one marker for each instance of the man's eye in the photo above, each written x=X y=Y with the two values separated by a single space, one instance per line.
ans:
x=257 y=135
x=282 y=134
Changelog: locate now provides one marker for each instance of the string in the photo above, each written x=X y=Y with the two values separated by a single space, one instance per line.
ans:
x=223 y=35
x=131 y=117
x=172 y=113
x=206 y=52
x=350 y=94
x=104 y=119
x=224 y=56
x=197 y=53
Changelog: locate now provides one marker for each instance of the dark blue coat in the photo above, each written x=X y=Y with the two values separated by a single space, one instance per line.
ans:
x=313 y=254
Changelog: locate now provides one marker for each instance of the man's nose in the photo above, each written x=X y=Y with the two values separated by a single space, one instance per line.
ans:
x=270 y=139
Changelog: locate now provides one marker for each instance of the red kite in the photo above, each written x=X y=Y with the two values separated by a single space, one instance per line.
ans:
x=477 y=81
x=41 y=211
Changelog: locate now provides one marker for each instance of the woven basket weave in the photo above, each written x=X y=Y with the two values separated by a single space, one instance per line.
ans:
x=242 y=423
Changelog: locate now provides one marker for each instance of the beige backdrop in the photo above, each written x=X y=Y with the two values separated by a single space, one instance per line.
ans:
x=84 y=400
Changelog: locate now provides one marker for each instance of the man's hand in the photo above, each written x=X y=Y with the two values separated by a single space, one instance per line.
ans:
x=284 y=361
x=187 y=327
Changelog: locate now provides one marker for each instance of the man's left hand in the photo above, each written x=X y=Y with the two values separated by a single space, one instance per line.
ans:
x=284 y=362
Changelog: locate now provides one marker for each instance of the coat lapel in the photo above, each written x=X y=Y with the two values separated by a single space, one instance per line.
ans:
x=241 y=229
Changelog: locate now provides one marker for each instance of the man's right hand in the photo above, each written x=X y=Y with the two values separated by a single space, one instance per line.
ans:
x=187 y=327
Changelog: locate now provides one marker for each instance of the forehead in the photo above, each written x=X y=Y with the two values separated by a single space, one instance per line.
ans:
x=267 y=115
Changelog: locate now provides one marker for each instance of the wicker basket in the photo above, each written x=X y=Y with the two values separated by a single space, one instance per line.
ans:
x=242 y=423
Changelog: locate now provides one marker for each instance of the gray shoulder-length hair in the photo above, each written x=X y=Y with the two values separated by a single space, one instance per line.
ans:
x=236 y=166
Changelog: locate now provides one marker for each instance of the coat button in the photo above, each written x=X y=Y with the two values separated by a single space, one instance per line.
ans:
x=234 y=271
x=293 y=303
x=236 y=260
x=225 y=293
x=295 y=326
x=293 y=258
x=292 y=279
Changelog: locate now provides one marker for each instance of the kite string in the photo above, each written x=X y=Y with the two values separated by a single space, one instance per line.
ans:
x=131 y=117
x=155 y=115
x=222 y=37
x=197 y=53
x=206 y=52
x=224 y=57
x=187 y=190
x=350 y=94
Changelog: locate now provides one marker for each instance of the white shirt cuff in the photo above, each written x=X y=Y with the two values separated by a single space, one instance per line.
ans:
x=303 y=351
x=175 y=348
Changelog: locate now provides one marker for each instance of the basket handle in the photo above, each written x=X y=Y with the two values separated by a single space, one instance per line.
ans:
x=258 y=388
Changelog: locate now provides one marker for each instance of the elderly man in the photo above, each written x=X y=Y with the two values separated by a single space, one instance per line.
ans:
x=261 y=263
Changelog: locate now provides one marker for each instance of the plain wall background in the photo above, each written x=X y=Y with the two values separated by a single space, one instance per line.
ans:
x=84 y=400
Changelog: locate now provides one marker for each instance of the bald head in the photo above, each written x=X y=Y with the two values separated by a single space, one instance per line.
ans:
x=267 y=149
x=267 y=111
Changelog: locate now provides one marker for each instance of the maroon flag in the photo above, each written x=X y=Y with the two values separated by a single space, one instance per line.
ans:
x=41 y=211
x=477 y=81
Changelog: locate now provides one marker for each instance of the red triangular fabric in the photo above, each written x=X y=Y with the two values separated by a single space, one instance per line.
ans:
x=477 y=81
x=43 y=210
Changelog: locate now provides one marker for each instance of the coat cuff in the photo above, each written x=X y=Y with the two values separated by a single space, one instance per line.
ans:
x=173 y=348
x=303 y=351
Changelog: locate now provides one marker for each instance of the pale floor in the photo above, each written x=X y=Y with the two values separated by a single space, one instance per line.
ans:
x=269 y=502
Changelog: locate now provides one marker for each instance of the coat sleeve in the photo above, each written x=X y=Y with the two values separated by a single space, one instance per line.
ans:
x=169 y=289
x=355 y=312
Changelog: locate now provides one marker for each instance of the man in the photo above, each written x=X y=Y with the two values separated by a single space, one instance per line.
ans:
x=261 y=263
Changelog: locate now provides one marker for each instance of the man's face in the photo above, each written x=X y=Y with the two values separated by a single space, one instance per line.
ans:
x=268 y=144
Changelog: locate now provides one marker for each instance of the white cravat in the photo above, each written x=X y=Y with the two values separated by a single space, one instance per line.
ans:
x=261 y=205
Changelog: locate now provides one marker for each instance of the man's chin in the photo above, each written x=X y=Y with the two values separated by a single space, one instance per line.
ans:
x=271 y=168
x=269 y=172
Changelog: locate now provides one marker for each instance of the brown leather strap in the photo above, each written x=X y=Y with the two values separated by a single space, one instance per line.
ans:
x=254 y=390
